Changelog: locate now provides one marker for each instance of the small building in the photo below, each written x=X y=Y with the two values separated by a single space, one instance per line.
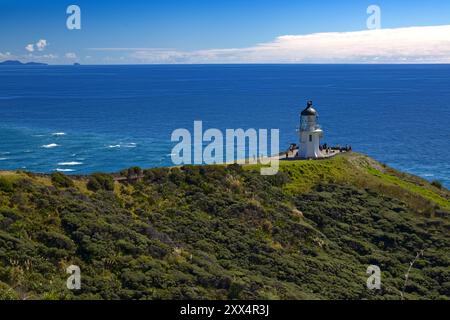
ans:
x=310 y=134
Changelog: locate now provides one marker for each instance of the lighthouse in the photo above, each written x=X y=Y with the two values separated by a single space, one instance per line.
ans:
x=310 y=133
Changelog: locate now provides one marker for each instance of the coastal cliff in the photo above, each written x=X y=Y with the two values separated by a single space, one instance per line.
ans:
x=226 y=232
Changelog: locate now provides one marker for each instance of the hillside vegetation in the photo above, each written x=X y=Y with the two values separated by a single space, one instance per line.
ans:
x=226 y=232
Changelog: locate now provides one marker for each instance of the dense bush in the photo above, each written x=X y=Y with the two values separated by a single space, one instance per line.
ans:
x=61 y=180
x=437 y=184
x=132 y=173
x=214 y=232
x=100 y=181
x=6 y=185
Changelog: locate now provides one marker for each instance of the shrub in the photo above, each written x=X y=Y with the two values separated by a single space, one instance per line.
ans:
x=100 y=181
x=135 y=171
x=60 y=180
x=157 y=175
x=7 y=293
x=53 y=239
x=235 y=290
x=131 y=173
x=437 y=184
x=6 y=185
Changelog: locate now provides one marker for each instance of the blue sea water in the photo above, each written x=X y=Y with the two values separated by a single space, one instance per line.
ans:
x=105 y=118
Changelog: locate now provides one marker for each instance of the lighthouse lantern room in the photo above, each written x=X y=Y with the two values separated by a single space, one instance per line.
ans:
x=310 y=134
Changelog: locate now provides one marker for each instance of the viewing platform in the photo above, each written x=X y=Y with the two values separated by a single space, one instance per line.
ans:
x=325 y=152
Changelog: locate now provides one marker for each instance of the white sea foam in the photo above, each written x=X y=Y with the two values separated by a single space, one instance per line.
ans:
x=64 y=170
x=51 y=145
x=72 y=163
x=59 y=134
x=130 y=145
x=123 y=145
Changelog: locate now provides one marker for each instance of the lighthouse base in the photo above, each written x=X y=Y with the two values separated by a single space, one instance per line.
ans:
x=310 y=145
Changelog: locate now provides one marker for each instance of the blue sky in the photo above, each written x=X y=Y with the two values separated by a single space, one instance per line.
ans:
x=202 y=31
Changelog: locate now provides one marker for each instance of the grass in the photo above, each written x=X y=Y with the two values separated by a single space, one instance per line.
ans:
x=305 y=174
x=10 y=175
x=7 y=180
x=423 y=191
x=362 y=170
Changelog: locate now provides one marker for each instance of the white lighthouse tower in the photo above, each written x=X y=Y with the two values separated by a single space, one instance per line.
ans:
x=310 y=133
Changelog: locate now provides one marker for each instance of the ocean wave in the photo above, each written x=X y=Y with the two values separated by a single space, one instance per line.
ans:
x=130 y=145
x=428 y=175
x=3 y=159
x=64 y=170
x=71 y=163
x=59 y=134
x=51 y=145
x=123 y=145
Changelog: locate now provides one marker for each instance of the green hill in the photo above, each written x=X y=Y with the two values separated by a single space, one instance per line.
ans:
x=226 y=232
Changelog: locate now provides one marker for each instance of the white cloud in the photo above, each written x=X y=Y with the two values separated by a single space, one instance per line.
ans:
x=6 y=56
x=41 y=44
x=49 y=56
x=70 y=55
x=30 y=47
x=39 y=57
x=29 y=57
x=430 y=44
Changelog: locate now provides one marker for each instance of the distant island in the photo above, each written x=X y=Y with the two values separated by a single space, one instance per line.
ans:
x=18 y=63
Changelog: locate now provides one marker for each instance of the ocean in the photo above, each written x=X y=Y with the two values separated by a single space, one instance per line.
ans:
x=83 y=119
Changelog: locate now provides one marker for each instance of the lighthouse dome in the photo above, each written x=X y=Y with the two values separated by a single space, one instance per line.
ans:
x=309 y=110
